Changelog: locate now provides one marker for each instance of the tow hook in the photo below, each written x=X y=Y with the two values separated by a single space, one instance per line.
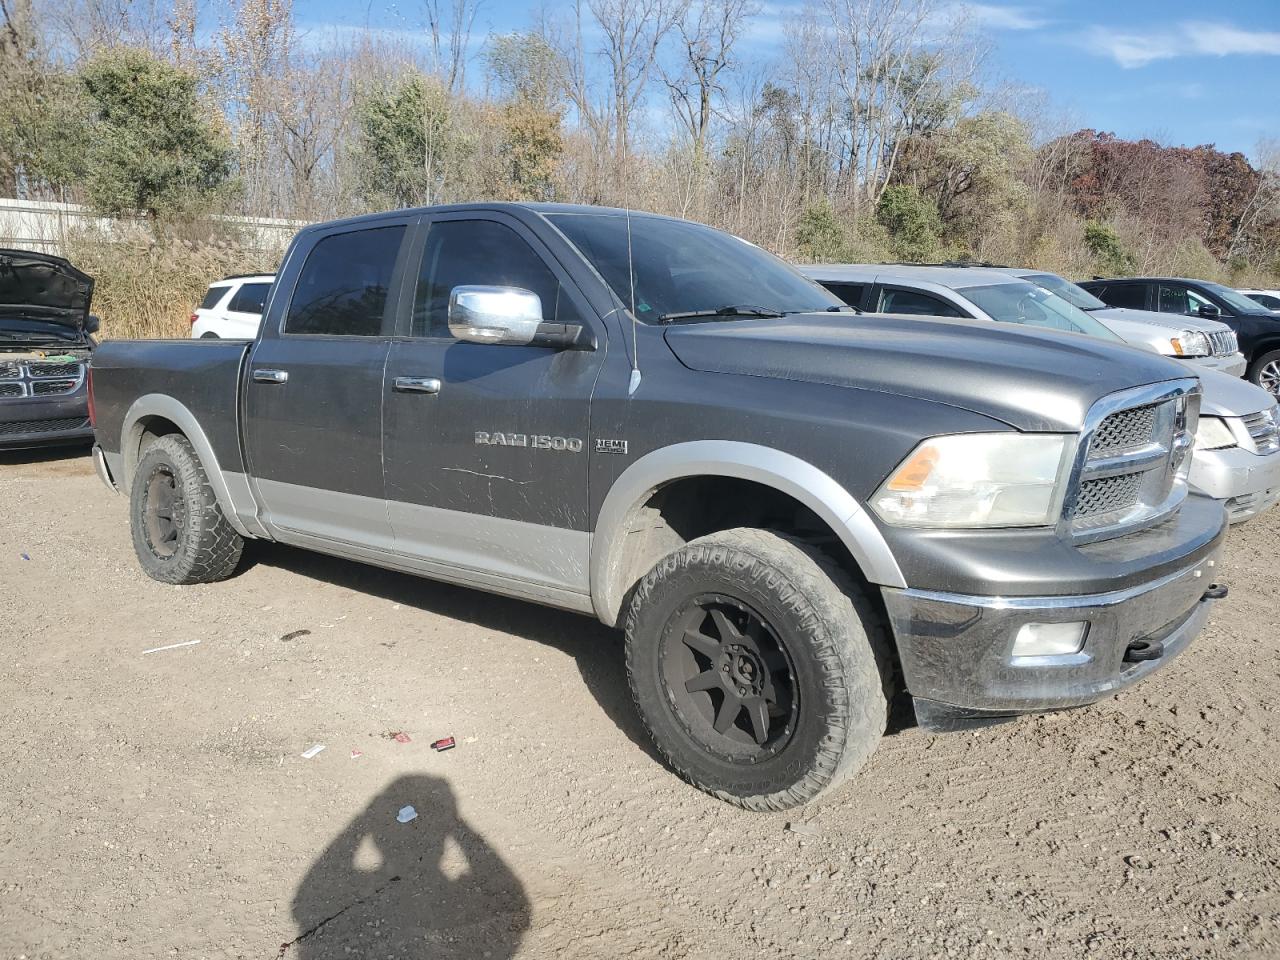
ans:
x=1216 y=591
x=1142 y=650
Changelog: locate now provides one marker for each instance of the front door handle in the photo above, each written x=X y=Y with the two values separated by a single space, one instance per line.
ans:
x=416 y=385
x=270 y=376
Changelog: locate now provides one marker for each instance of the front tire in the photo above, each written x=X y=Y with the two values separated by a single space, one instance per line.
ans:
x=759 y=669
x=1265 y=372
x=179 y=532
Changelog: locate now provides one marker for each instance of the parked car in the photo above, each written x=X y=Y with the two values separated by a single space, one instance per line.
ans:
x=45 y=345
x=1241 y=470
x=654 y=422
x=232 y=308
x=1209 y=344
x=1257 y=327
x=1267 y=298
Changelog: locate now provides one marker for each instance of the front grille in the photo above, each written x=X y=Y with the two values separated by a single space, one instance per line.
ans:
x=1108 y=494
x=39 y=378
x=1131 y=469
x=1224 y=343
x=15 y=428
x=1264 y=430
x=45 y=388
x=53 y=369
x=1124 y=430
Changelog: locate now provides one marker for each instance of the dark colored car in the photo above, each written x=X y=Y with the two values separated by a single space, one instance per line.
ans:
x=791 y=509
x=45 y=344
x=1257 y=328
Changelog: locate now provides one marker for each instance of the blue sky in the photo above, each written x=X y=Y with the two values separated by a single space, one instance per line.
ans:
x=1181 y=71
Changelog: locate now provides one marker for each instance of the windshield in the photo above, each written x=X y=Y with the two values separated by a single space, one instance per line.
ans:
x=1075 y=295
x=1237 y=301
x=1034 y=306
x=683 y=268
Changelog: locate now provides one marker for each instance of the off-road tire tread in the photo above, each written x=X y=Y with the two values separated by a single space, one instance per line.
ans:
x=213 y=545
x=857 y=657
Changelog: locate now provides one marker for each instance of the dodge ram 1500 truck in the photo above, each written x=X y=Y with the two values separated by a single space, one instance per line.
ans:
x=793 y=510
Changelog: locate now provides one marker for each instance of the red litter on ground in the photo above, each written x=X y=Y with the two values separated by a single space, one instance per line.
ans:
x=447 y=743
x=356 y=754
x=402 y=737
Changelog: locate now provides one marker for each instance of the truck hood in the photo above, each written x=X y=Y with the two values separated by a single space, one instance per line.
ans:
x=45 y=289
x=1165 y=321
x=1029 y=379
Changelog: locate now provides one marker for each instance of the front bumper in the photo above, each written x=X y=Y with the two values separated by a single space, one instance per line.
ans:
x=1232 y=364
x=957 y=650
x=1245 y=482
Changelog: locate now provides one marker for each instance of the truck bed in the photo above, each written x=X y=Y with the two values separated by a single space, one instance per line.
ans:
x=201 y=375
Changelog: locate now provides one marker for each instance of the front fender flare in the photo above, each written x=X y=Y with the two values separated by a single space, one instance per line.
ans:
x=745 y=461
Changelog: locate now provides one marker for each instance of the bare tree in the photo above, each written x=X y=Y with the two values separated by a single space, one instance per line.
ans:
x=708 y=31
x=450 y=23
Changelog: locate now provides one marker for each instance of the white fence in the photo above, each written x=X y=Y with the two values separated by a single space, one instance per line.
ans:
x=42 y=225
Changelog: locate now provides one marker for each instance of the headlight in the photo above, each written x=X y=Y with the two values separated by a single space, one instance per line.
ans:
x=1214 y=434
x=1189 y=343
x=976 y=480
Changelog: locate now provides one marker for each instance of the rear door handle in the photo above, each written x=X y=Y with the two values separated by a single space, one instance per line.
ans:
x=270 y=376
x=416 y=385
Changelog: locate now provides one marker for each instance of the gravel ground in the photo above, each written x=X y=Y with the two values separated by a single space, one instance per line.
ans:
x=157 y=804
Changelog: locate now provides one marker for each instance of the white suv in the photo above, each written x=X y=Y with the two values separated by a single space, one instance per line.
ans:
x=232 y=309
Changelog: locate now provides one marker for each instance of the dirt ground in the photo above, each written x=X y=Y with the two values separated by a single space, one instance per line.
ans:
x=157 y=804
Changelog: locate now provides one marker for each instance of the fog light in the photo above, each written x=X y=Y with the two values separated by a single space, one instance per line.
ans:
x=1049 y=639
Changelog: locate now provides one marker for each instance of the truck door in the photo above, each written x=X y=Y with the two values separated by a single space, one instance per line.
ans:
x=313 y=390
x=486 y=445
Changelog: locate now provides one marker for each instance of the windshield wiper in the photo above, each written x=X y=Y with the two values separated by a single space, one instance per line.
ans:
x=730 y=310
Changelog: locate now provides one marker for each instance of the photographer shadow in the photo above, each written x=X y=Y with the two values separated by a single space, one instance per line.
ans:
x=429 y=888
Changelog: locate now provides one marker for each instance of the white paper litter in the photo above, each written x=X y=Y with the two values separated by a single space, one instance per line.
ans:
x=406 y=814
x=310 y=752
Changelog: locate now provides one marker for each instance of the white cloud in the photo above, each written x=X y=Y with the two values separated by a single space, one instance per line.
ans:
x=1186 y=39
x=995 y=17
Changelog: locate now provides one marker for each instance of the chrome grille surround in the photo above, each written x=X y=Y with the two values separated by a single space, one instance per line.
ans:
x=1224 y=343
x=1264 y=430
x=31 y=378
x=1130 y=470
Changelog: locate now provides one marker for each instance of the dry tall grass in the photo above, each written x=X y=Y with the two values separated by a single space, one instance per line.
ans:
x=148 y=282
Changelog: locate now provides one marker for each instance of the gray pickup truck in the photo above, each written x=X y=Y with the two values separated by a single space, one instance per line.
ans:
x=793 y=510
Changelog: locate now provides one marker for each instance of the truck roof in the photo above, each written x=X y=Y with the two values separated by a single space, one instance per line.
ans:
x=492 y=205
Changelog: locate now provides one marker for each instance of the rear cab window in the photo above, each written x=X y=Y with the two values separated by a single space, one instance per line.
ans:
x=344 y=284
x=850 y=293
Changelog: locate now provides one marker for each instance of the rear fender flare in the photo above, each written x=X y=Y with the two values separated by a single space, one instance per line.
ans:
x=231 y=489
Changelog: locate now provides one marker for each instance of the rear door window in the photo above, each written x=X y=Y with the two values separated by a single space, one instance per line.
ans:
x=250 y=298
x=343 y=286
x=850 y=293
x=1130 y=296
x=916 y=303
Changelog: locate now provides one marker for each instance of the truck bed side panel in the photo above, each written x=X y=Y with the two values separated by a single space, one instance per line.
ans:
x=202 y=375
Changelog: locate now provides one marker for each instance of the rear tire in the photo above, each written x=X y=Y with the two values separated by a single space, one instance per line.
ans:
x=179 y=532
x=1265 y=372
x=760 y=670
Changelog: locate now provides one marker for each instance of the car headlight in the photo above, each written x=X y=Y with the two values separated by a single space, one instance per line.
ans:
x=1214 y=434
x=1189 y=343
x=976 y=480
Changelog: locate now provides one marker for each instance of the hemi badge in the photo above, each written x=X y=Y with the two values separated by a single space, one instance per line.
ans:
x=611 y=446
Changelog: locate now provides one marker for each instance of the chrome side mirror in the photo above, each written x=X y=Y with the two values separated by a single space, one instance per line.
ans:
x=480 y=314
